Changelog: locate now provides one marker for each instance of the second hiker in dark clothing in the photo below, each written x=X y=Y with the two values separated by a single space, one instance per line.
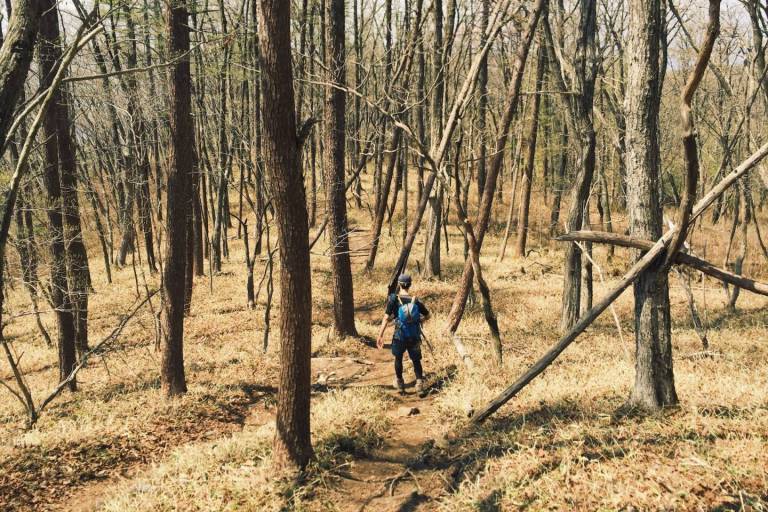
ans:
x=408 y=312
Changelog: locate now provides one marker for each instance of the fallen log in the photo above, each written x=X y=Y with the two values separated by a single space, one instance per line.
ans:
x=643 y=263
x=603 y=237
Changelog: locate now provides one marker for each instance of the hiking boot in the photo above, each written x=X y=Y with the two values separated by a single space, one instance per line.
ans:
x=399 y=385
x=419 y=386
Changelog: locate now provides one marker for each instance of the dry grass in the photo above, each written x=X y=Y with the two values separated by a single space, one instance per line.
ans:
x=558 y=445
x=235 y=473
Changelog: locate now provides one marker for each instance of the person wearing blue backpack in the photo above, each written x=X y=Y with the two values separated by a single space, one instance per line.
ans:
x=408 y=313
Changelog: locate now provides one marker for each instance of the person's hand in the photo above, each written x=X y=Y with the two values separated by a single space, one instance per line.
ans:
x=380 y=343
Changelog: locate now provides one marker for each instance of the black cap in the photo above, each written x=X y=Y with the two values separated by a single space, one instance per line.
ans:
x=404 y=279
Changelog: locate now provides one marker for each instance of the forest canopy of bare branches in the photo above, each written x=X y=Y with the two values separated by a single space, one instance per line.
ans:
x=225 y=225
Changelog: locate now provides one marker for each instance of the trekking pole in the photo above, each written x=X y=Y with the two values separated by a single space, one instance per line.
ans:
x=429 y=345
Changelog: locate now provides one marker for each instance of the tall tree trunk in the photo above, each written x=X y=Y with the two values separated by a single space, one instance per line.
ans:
x=421 y=123
x=78 y=272
x=197 y=223
x=292 y=447
x=654 y=380
x=225 y=163
x=434 y=220
x=77 y=257
x=178 y=197
x=391 y=154
x=358 y=74
x=525 y=199
x=49 y=52
x=583 y=81
x=16 y=57
x=482 y=108
x=335 y=144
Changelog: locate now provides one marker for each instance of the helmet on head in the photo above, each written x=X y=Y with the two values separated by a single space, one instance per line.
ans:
x=404 y=280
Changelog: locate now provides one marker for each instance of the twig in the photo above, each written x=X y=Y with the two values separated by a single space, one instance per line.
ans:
x=96 y=349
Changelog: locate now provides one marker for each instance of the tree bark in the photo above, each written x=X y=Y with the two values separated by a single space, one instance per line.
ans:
x=15 y=59
x=335 y=143
x=525 y=199
x=292 y=446
x=178 y=197
x=49 y=51
x=654 y=385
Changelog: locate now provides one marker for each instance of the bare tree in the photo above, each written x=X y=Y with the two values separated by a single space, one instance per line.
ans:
x=484 y=214
x=525 y=200
x=335 y=144
x=580 y=78
x=178 y=196
x=293 y=446
x=49 y=53
x=654 y=379
x=15 y=59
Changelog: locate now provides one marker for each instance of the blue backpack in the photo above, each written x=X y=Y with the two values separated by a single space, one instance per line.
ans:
x=409 y=319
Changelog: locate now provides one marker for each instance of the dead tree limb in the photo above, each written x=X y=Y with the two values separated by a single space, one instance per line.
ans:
x=683 y=258
x=98 y=348
x=690 y=148
x=642 y=264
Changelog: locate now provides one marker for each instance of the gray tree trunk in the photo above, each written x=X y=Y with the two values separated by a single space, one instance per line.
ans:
x=582 y=81
x=654 y=380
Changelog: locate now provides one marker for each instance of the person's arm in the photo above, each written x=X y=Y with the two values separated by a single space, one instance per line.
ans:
x=380 y=339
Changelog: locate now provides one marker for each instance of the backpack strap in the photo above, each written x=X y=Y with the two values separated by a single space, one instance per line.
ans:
x=408 y=313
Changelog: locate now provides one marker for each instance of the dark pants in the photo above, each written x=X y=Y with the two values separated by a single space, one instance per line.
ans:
x=413 y=347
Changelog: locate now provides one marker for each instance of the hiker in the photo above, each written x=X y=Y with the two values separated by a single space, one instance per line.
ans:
x=408 y=312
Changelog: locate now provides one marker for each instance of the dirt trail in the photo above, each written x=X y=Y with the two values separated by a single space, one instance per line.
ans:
x=392 y=477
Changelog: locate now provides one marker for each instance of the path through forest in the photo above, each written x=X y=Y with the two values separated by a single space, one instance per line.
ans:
x=392 y=477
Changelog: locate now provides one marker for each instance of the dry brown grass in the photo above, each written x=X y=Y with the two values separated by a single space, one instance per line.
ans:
x=558 y=445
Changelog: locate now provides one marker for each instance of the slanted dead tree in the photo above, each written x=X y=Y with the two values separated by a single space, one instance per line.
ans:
x=654 y=385
x=647 y=260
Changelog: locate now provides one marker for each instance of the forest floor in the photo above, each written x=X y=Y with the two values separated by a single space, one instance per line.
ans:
x=563 y=443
